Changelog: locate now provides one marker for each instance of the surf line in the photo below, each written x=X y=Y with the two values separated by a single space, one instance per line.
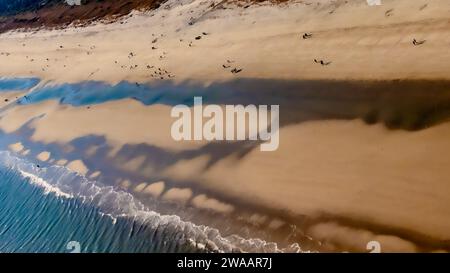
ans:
x=227 y=123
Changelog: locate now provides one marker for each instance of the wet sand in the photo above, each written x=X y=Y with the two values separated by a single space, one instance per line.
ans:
x=365 y=178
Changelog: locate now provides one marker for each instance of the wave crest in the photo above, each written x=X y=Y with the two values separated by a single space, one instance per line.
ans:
x=115 y=203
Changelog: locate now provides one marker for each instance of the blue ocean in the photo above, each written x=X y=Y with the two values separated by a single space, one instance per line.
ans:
x=54 y=210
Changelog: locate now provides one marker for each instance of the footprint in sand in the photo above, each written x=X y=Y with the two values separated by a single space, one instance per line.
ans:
x=389 y=13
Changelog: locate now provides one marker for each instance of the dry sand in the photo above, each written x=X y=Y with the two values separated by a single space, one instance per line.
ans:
x=361 y=41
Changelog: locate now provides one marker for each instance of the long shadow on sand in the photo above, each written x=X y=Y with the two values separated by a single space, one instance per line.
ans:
x=402 y=104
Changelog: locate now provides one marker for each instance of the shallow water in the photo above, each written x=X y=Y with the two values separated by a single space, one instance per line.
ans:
x=407 y=104
x=17 y=84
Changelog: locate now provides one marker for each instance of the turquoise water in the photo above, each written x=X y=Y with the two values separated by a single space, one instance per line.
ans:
x=16 y=84
x=37 y=217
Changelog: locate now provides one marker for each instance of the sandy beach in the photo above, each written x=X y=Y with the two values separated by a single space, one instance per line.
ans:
x=364 y=136
x=361 y=41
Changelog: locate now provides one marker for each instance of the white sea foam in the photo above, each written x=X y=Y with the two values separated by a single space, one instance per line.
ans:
x=35 y=180
x=73 y=2
x=116 y=203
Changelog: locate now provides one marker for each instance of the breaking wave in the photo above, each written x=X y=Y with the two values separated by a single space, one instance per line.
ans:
x=43 y=209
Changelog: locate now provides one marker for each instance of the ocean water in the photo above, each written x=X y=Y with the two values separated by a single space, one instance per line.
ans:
x=53 y=209
x=13 y=6
x=37 y=216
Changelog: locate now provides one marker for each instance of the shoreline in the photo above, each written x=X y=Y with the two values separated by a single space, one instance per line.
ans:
x=363 y=134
